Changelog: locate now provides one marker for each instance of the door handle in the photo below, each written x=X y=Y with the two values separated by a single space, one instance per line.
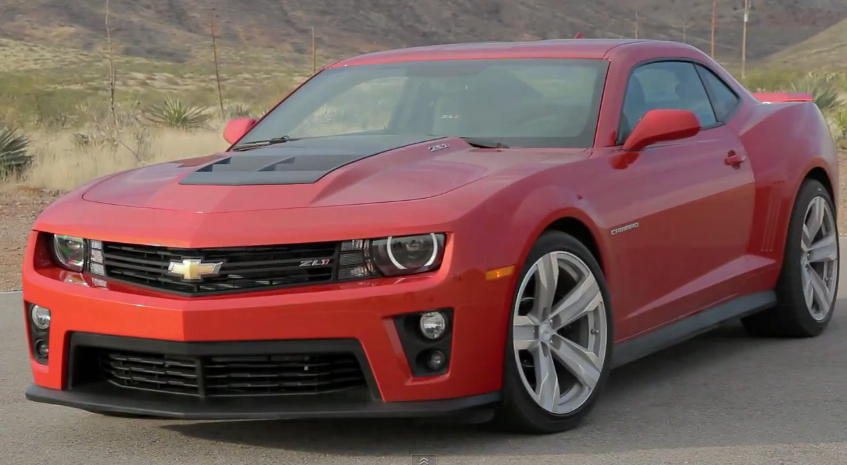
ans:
x=735 y=160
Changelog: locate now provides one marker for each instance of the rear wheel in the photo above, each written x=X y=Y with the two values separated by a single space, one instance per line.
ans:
x=559 y=340
x=808 y=283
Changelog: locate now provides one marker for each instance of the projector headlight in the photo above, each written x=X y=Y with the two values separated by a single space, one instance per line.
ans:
x=407 y=254
x=69 y=252
x=391 y=256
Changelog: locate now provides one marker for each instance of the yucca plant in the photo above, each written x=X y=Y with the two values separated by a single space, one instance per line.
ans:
x=14 y=156
x=824 y=93
x=174 y=113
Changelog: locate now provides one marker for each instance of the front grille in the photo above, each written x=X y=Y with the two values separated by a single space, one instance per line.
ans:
x=242 y=268
x=229 y=376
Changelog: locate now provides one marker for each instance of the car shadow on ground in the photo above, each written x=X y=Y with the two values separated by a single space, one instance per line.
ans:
x=714 y=390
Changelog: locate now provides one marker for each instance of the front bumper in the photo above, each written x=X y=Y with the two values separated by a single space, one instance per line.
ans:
x=359 y=317
x=363 y=400
x=100 y=400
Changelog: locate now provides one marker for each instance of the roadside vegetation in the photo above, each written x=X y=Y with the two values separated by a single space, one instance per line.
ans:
x=57 y=136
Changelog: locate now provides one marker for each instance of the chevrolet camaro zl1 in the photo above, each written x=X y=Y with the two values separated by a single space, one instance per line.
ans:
x=440 y=230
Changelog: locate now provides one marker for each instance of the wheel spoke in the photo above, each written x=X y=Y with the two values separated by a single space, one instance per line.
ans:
x=524 y=333
x=546 y=378
x=824 y=250
x=808 y=289
x=584 y=365
x=819 y=288
x=582 y=299
x=806 y=240
x=546 y=281
x=816 y=217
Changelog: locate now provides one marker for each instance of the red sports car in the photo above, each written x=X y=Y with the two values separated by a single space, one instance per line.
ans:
x=440 y=230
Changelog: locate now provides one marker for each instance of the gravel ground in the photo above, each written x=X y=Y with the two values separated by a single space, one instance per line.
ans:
x=18 y=210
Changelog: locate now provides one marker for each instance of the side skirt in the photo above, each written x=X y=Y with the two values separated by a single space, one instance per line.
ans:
x=689 y=327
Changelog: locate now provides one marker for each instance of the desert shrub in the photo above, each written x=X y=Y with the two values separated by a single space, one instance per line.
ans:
x=175 y=114
x=768 y=81
x=239 y=110
x=822 y=89
x=838 y=123
x=14 y=151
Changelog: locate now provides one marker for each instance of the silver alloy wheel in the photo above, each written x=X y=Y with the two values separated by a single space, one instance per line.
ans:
x=819 y=260
x=560 y=332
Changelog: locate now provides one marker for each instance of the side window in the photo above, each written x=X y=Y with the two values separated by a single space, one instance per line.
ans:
x=667 y=85
x=724 y=99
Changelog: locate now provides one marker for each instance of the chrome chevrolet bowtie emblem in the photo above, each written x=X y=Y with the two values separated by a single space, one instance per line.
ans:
x=193 y=269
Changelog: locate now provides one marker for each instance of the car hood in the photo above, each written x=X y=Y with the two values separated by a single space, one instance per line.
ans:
x=317 y=172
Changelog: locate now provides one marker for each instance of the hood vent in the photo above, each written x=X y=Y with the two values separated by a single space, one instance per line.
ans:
x=303 y=161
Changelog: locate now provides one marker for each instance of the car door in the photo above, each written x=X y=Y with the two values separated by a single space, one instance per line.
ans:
x=694 y=197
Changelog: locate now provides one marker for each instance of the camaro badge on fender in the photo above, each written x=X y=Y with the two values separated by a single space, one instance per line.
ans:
x=624 y=228
x=193 y=269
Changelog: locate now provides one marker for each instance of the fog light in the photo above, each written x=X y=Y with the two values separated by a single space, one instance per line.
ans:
x=40 y=317
x=41 y=349
x=433 y=325
x=435 y=360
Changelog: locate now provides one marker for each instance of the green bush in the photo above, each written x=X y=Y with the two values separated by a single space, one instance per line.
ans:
x=173 y=113
x=14 y=155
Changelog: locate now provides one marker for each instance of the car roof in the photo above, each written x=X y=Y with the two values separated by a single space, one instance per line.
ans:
x=555 y=48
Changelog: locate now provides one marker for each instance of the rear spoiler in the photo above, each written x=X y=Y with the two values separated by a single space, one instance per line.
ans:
x=783 y=97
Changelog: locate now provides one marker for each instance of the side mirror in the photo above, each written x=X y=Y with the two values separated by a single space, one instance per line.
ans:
x=236 y=129
x=660 y=126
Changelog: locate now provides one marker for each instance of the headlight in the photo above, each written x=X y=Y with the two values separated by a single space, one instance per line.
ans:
x=391 y=256
x=69 y=252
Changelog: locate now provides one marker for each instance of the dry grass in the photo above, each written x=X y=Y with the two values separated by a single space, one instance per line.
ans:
x=60 y=164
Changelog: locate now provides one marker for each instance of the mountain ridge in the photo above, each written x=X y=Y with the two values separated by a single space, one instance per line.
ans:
x=178 y=30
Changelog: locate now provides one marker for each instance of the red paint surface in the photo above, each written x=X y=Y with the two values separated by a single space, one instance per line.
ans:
x=712 y=210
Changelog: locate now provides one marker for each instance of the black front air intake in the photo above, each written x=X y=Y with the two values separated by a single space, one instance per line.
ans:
x=219 y=369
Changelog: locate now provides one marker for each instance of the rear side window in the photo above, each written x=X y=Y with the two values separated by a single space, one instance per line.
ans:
x=723 y=98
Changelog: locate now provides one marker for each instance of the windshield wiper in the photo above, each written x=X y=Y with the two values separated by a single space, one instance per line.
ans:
x=484 y=143
x=264 y=143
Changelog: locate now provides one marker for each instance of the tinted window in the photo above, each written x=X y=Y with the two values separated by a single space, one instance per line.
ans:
x=669 y=86
x=520 y=102
x=724 y=99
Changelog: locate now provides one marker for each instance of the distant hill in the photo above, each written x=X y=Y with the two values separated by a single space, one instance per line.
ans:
x=827 y=49
x=177 y=30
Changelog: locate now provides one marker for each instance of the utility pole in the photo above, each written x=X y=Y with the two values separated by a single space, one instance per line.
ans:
x=685 y=30
x=636 y=24
x=314 y=53
x=744 y=39
x=714 y=23
x=217 y=67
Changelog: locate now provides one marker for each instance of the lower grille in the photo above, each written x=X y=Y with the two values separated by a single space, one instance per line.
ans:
x=229 y=376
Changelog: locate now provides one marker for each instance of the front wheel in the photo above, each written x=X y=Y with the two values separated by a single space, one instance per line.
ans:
x=808 y=283
x=559 y=340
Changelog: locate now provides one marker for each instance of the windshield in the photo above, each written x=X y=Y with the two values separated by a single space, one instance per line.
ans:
x=517 y=102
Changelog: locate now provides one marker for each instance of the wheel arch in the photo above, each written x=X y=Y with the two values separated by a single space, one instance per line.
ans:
x=819 y=174
x=579 y=230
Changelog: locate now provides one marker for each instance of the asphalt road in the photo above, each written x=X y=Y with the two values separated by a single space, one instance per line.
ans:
x=723 y=398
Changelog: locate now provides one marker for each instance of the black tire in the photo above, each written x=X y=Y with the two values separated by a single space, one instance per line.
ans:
x=518 y=412
x=791 y=316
